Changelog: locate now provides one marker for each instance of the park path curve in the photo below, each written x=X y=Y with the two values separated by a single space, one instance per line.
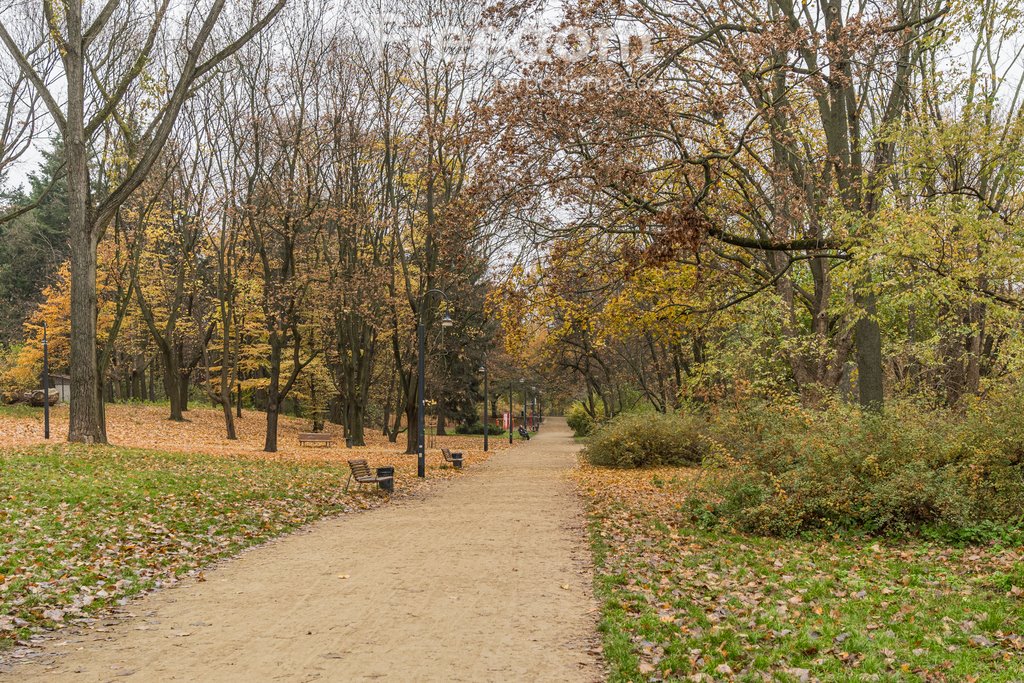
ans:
x=484 y=579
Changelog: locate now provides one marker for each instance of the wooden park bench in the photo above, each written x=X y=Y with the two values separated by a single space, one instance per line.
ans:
x=316 y=437
x=361 y=472
x=454 y=458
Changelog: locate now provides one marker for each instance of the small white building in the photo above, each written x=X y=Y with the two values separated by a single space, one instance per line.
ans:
x=62 y=383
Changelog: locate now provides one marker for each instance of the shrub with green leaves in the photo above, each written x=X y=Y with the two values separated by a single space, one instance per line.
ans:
x=579 y=420
x=784 y=469
x=648 y=440
x=477 y=428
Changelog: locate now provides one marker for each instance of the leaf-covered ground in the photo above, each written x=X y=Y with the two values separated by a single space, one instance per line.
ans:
x=83 y=529
x=147 y=426
x=683 y=603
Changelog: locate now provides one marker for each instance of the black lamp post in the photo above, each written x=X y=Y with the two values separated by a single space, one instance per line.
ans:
x=483 y=369
x=526 y=399
x=533 y=409
x=46 y=384
x=421 y=330
x=511 y=413
x=540 y=413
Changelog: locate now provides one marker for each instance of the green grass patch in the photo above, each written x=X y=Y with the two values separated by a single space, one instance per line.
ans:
x=615 y=624
x=680 y=601
x=86 y=528
x=20 y=410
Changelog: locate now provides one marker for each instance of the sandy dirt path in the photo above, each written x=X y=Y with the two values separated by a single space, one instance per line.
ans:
x=485 y=579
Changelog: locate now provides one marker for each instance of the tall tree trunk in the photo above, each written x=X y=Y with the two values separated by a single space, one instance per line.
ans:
x=412 y=424
x=354 y=423
x=139 y=378
x=869 y=355
x=172 y=385
x=222 y=395
x=226 y=382
x=273 y=397
x=240 y=328
x=441 y=418
x=86 y=419
x=387 y=405
x=229 y=420
x=184 y=385
x=270 y=444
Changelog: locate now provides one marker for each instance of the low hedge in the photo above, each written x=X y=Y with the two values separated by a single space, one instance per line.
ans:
x=648 y=440
x=782 y=469
x=477 y=428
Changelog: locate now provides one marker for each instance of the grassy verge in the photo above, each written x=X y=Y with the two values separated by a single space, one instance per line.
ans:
x=24 y=410
x=20 y=410
x=680 y=602
x=82 y=529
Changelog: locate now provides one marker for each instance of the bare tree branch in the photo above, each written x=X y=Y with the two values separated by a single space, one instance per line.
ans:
x=33 y=77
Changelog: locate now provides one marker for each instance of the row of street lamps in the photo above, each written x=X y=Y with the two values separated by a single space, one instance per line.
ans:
x=421 y=333
x=511 y=404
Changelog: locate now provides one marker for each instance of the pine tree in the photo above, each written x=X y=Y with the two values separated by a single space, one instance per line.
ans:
x=33 y=246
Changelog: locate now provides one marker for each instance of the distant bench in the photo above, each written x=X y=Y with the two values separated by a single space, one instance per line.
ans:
x=316 y=437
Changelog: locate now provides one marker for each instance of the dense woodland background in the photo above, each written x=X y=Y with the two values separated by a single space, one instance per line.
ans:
x=667 y=206
x=278 y=248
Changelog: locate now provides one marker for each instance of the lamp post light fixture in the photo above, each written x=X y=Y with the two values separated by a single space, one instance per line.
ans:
x=483 y=369
x=46 y=383
x=421 y=331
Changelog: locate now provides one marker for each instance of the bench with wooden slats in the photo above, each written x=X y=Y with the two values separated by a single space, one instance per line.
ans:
x=454 y=458
x=316 y=437
x=361 y=472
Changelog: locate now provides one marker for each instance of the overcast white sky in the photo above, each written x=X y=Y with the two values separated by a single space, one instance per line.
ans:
x=28 y=163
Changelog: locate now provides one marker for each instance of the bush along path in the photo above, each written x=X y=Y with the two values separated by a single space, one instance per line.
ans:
x=485 y=578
